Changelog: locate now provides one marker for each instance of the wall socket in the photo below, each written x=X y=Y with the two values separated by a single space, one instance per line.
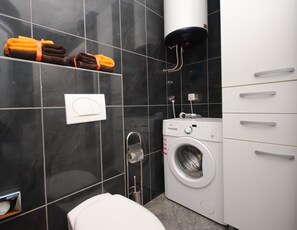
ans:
x=192 y=97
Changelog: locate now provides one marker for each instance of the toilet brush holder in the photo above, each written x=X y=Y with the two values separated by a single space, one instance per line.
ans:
x=136 y=195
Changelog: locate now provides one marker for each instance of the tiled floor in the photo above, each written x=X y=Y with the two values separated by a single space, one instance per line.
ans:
x=176 y=217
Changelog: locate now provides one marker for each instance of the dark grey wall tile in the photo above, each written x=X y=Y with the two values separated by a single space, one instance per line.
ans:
x=141 y=1
x=112 y=143
x=16 y=8
x=133 y=26
x=136 y=120
x=156 y=6
x=21 y=156
x=72 y=44
x=146 y=179
x=177 y=108
x=12 y=28
x=194 y=80
x=103 y=21
x=157 y=174
x=214 y=81
x=57 y=212
x=196 y=53
x=157 y=82
x=35 y=220
x=112 y=52
x=174 y=85
x=68 y=15
x=115 y=185
x=215 y=110
x=156 y=116
x=111 y=87
x=57 y=81
x=214 y=35
x=72 y=151
x=155 y=36
x=19 y=84
x=134 y=79
x=213 y=5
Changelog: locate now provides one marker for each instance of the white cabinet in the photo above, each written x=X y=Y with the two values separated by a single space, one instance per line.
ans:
x=258 y=36
x=259 y=78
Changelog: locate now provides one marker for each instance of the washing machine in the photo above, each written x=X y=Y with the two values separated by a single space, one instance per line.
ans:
x=193 y=165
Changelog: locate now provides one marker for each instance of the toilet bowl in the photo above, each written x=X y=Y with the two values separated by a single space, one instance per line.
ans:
x=112 y=212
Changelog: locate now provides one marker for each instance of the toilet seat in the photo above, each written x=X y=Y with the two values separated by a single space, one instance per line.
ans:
x=112 y=212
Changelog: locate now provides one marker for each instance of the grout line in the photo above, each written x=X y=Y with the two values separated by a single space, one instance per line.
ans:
x=122 y=94
x=111 y=178
x=216 y=11
x=207 y=77
x=43 y=149
x=15 y=18
x=100 y=140
x=31 y=18
x=204 y=60
x=154 y=12
x=85 y=24
x=21 y=108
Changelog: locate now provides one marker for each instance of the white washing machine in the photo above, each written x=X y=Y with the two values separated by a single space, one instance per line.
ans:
x=193 y=164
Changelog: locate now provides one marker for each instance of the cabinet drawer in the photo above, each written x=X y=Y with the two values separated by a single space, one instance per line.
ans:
x=260 y=191
x=264 y=98
x=260 y=45
x=269 y=128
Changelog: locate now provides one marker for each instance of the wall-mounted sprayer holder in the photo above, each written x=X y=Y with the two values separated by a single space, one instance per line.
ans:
x=134 y=154
x=10 y=204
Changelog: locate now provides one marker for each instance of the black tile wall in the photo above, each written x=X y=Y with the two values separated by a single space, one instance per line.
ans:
x=201 y=73
x=45 y=153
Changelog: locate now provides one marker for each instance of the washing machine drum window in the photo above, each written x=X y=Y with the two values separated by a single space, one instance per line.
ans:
x=190 y=160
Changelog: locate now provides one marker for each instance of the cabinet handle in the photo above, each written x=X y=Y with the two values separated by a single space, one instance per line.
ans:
x=288 y=157
x=268 y=93
x=285 y=70
x=272 y=124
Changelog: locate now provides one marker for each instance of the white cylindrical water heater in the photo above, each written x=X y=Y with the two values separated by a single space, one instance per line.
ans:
x=185 y=22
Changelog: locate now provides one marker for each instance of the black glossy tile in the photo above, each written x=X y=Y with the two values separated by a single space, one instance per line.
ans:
x=146 y=179
x=12 y=28
x=72 y=44
x=174 y=85
x=198 y=109
x=155 y=36
x=214 y=35
x=133 y=26
x=68 y=15
x=32 y=221
x=57 y=212
x=157 y=174
x=215 y=110
x=103 y=21
x=215 y=81
x=136 y=120
x=16 y=8
x=196 y=53
x=156 y=116
x=177 y=109
x=141 y=1
x=19 y=84
x=134 y=79
x=115 y=185
x=111 y=87
x=156 y=6
x=213 y=5
x=21 y=158
x=57 y=81
x=157 y=82
x=112 y=143
x=114 y=53
x=74 y=154
x=194 y=80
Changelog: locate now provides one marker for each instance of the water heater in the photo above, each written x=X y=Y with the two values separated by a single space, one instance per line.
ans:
x=185 y=22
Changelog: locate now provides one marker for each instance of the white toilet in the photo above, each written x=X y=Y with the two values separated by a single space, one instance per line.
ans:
x=112 y=212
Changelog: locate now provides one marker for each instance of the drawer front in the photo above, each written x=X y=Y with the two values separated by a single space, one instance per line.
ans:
x=260 y=191
x=269 y=128
x=264 y=98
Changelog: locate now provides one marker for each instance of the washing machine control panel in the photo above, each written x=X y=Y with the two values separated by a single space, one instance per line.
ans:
x=188 y=130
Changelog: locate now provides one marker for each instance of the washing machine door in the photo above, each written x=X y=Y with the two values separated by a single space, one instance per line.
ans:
x=191 y=162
